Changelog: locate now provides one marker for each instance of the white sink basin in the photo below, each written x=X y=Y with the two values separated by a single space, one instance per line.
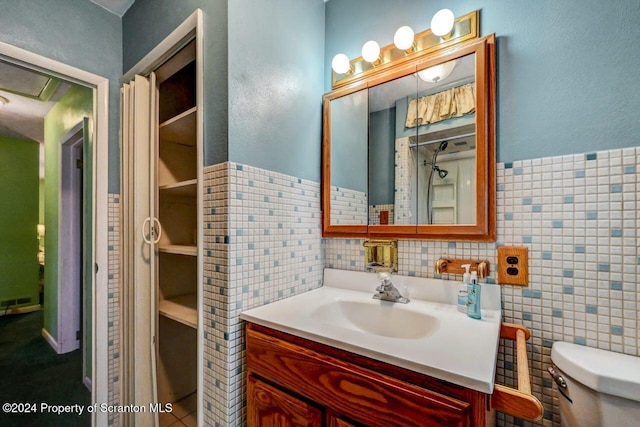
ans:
x=427 y=335
x=376 y=317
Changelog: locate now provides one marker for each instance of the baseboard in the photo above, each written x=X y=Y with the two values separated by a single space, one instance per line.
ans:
x=52 y=342
x=20 y=310
x=87 y=383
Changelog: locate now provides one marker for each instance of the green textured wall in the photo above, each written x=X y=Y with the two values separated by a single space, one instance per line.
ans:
x=18 y=219
x=41 y=208
x=76 y=104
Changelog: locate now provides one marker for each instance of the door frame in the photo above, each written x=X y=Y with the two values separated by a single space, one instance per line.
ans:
x=190 y=29
x=70 y=239
x=99 y=208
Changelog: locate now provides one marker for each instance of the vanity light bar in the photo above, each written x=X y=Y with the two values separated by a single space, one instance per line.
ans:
x=405 y=46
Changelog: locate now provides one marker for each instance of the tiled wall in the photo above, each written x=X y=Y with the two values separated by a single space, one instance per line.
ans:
x=405 y=183
x=348 y=206
x=578 y=216
x=217 y=351
x=374 y=213
x=262 y=244
x=113 y=284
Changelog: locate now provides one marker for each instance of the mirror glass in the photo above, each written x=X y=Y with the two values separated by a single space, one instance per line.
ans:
x=392 y=165
x=409 y=152
x=445 y=144
x=349 y=145
x=422 y=147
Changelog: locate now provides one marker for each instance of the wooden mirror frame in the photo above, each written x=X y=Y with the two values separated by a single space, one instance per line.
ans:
x=484 y=230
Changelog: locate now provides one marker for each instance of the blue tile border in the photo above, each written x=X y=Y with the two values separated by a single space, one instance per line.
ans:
x=580 y=340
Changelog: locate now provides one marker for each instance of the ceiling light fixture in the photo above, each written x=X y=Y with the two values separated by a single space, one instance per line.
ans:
x=438 y=72
x=442 y=23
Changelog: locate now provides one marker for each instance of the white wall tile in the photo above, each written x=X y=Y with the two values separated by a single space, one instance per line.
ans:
x=262 y=244
x=113 y=305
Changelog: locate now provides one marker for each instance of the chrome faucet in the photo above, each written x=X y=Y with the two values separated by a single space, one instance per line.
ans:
x=386 y=291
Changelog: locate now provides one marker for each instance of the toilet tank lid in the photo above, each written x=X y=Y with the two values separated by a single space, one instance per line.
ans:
x=603 y=371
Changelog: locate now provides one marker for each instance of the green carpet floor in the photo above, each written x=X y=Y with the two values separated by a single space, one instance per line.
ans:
x=31 y=372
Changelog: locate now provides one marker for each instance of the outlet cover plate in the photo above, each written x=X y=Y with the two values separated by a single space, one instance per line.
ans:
x=513 y=265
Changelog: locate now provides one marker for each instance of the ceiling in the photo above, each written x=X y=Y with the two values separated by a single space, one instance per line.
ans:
x=117 y=7
x=31 y=95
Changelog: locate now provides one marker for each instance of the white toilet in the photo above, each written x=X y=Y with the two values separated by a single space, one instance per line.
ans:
x=598 y=388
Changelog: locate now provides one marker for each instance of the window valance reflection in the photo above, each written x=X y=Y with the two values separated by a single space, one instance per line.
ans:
x=454 y=102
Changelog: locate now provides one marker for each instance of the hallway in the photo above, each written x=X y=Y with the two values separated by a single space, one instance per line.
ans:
x=31 y=372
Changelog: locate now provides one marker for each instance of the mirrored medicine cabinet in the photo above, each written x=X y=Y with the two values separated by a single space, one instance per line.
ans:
x=409 y=152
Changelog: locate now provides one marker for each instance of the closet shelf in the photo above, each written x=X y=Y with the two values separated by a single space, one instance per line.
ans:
x=190 y=250
x=180 y=189
x=180 y=129
x=182 y=309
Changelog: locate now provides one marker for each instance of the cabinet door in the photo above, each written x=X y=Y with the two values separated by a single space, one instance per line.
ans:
x=359 y=394
x=335 y=421
x=269 y=407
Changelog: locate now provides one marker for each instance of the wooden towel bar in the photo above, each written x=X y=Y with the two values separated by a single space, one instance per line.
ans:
x=517 y=402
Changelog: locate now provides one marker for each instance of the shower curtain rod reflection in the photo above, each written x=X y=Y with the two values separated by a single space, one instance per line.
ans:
x=420 y=144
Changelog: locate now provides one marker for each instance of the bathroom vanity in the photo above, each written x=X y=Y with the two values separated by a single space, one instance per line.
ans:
x=309 y=383
x=334 y=356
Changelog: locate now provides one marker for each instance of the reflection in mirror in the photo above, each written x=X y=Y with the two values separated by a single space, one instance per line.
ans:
x=392 y=166
x=445 y=142
x=349 y=202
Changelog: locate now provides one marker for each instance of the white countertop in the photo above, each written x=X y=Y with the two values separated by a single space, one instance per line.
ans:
x=459 y=349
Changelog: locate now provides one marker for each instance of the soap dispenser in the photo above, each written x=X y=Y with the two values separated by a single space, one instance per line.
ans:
x=463 y=298
x=473 y=290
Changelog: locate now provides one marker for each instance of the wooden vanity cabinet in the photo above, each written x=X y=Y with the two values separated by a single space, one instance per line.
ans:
x=297 y=382
x=336 y=421
x=274 y=407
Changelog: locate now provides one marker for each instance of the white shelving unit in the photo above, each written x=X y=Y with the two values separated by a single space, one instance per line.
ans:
x=177 y=205
x=180 y=189
x=162 y=274
x=180 y=129
x=179 y=250
x=182 y=309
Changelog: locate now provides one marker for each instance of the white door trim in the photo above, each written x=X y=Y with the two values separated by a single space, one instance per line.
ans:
x=175 y=41
x=70 y=237
x=99 y=249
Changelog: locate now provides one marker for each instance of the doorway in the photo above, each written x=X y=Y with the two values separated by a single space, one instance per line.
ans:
x=74 y=310
x=96 y=226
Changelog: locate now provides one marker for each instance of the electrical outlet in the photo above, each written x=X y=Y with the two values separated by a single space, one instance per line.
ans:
x=513 y=265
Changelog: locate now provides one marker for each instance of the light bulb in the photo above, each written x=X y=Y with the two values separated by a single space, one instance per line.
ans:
x=371 y=51
x=442 y=22
x=340 y=63
x=403 y=38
